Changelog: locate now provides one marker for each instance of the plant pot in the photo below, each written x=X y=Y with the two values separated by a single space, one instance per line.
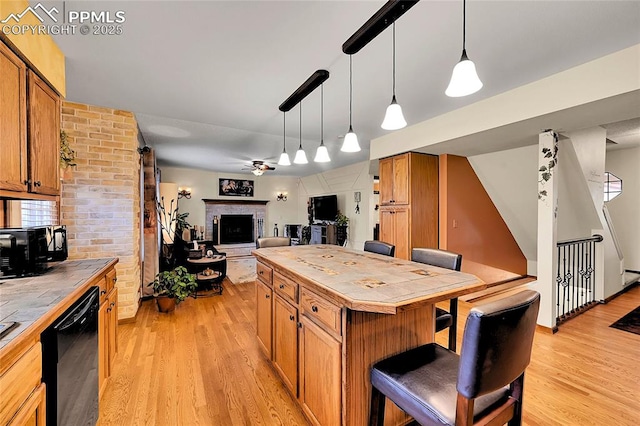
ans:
x=166 y=304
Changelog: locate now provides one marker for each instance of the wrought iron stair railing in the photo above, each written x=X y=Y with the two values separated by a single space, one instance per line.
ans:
x=576 y=277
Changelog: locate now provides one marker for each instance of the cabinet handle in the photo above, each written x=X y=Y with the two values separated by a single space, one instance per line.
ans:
x=109 y=309
x=115 y=279
x=314 y=308
x=299 y=325
x=291 y=317
x=112 y=304
x=281 y=286
x=37 y=183
x=27 y=182
x=103 y=292
x=266 y=296
x=261 y=272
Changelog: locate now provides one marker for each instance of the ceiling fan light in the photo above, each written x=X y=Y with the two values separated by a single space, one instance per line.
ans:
x=257 y=172
x=350 y=143
x=301 y=157
x=464 y=79
x=322 y=155
x=394 y=119
x=284 y=159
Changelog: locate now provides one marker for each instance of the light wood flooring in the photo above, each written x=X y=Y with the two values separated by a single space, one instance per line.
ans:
x=202 y=366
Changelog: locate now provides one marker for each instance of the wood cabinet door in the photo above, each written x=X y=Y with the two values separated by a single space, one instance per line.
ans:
x=13 y=121
x=44 y=136
x=113 y=327
x=401 y=179
x=387 y=226
x=401 y=224
x=285 y=342
x=103 y=346
x=263 y=316
x=320 y=374
x=386 y=181
x=32 y=412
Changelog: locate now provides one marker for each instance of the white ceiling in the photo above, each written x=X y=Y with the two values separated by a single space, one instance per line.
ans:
x=205 y=78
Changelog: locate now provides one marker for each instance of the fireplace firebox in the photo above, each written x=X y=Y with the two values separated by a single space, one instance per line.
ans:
x=236 y=228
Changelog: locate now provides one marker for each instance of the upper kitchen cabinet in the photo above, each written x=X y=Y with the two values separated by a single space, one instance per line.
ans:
x=13 y=121
x=394 y=180
x=29 y=132
x=44 y=137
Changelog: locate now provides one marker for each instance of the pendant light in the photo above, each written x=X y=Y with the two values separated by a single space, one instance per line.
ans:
x=393 y=119
x=464 y=79
x=284 y=157
x=322 y=153
x=350 y=143
x=301 y=157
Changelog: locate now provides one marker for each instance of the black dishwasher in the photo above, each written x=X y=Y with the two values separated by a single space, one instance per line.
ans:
x=70 y=364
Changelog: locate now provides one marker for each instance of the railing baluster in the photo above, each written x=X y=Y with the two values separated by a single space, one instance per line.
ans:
x=575 y=276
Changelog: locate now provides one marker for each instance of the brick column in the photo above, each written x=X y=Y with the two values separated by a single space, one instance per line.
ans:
x=100 y=203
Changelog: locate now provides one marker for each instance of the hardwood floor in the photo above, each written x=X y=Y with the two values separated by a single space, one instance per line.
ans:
x=202 y=366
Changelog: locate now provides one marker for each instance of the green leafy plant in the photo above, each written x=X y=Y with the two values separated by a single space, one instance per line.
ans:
x=177 y=284
x=546 y=171
x=341 y=219
x=67 y=155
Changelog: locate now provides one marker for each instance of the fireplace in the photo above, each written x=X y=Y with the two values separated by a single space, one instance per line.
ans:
x=236 y=228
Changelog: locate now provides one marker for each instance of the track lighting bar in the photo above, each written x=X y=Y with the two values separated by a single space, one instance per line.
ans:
x=388 y=13
x=316 y=79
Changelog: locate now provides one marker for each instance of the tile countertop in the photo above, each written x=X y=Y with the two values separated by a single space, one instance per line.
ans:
x=30 y=301
x=368 y=282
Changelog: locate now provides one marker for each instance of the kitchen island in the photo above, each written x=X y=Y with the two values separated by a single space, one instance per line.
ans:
x=34 y=303
x=325 y=314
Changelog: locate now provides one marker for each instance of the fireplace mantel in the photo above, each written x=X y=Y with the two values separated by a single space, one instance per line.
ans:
x=224 y=201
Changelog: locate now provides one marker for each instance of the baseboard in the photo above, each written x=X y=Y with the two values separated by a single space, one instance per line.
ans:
x=624 y=290
x=546 y=330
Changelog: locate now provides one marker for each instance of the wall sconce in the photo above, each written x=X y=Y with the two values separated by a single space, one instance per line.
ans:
x=184 y=193
x=282 y=196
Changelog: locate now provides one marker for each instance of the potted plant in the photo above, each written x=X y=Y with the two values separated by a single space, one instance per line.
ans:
x=172 y=287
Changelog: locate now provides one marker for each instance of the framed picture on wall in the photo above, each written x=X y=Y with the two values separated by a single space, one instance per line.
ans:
x=236 y=187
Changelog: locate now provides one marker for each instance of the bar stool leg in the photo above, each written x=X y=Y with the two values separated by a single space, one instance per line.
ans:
x=376 y=418
x=453 y=330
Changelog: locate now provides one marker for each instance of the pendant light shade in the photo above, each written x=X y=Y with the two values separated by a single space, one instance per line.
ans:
x=322 y=153
x=350 y=143
x=301 y=156
x=284 y=157
x=393 y=118
x=464 y=79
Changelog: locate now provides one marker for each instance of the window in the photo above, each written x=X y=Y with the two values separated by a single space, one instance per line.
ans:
x=38 y=213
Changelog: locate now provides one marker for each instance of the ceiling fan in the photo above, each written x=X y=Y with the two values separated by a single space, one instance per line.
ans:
x=258 y=167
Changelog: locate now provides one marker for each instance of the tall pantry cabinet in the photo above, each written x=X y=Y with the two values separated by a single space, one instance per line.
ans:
x=409 y=202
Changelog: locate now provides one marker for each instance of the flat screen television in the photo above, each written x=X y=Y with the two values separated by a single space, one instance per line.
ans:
x=325 y=208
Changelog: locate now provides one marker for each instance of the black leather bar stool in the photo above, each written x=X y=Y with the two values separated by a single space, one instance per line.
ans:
x=449 y=260
x=380 y=247
x=484 y=383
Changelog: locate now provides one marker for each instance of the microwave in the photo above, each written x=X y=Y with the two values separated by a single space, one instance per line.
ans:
x=27 y=251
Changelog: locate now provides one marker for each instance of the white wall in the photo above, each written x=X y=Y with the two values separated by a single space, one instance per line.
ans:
x=343 y=182
x=510 y=178
x=590 y=149
x=625 y=209
x=204 y=185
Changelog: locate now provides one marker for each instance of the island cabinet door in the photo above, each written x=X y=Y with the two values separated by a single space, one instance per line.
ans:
x=320 y=374
x=103 y=346
x=32 y=412
x=263 y=315
x=285 y=342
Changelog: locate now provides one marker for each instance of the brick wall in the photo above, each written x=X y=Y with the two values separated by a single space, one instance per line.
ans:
x=100 y=203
